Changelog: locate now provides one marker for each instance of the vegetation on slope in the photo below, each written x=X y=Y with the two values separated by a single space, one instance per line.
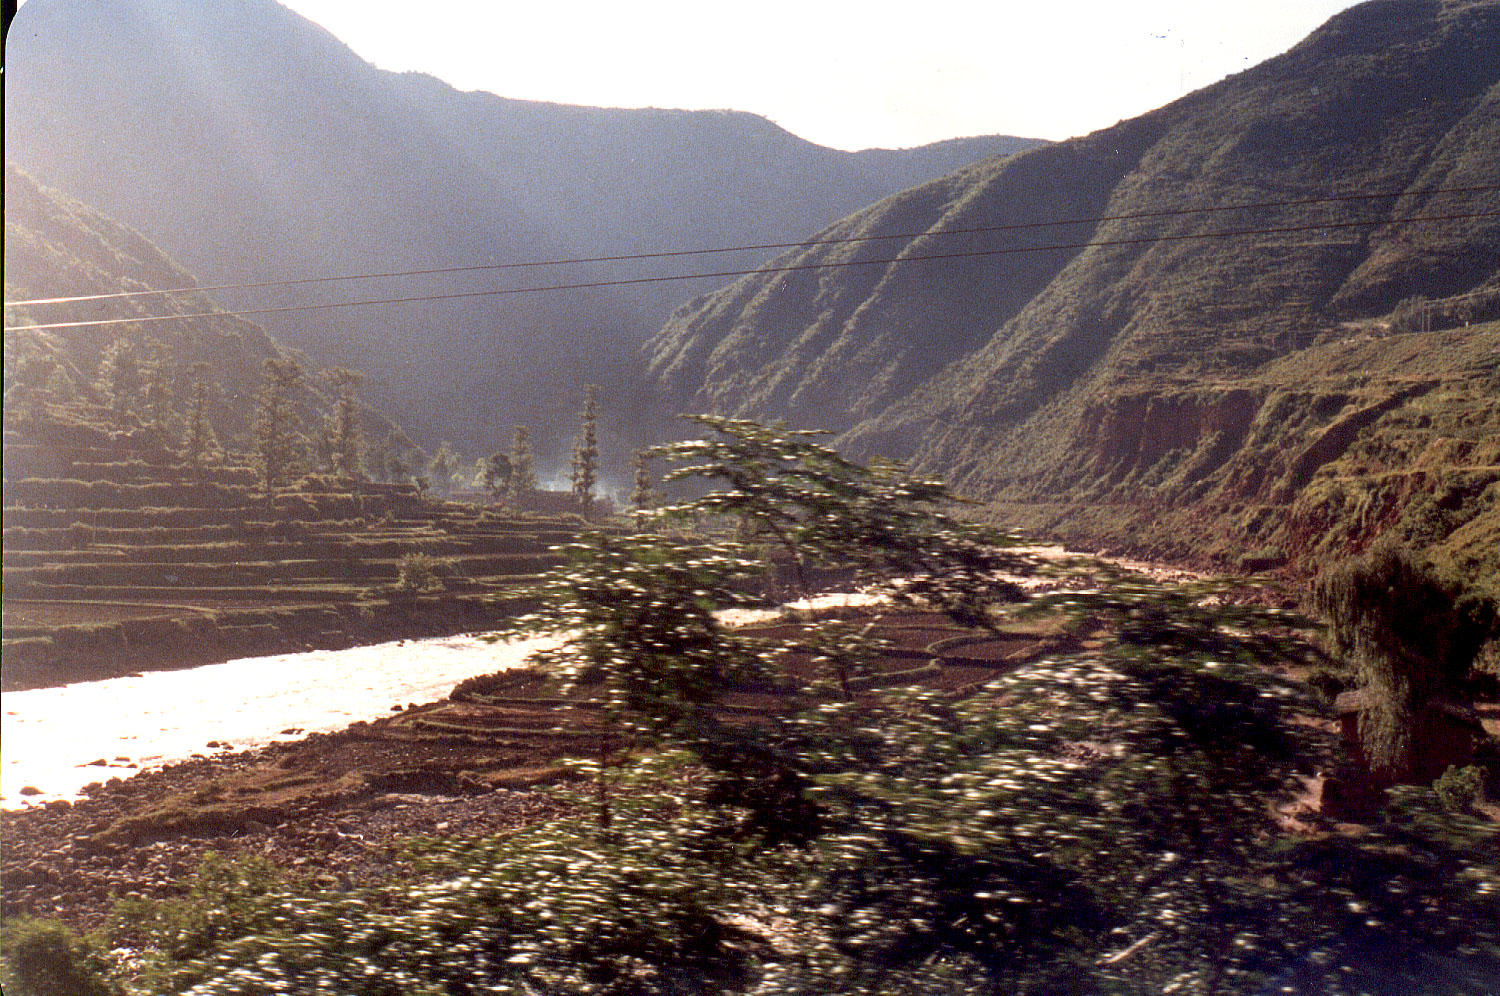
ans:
x=158 y=485
x=1120 y=817
x=1162 y=372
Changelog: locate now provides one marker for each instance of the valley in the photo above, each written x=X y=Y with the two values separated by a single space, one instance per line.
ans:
x=414 y=643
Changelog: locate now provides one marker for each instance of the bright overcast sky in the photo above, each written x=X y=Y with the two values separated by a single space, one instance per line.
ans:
x=845 y=74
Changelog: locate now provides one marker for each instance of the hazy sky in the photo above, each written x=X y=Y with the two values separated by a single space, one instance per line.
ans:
x=846 y=74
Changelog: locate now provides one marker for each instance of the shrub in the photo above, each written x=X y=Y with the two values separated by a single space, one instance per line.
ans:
x=1458 y=789
x=45 y=958
x=1410 y=637
x=418 y=572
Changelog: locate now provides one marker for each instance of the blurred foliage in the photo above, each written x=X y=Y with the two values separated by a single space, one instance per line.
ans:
x=42 y=958
x=1115 y=819
x=1098 y=823
x=1412 y=639
x=816 y=506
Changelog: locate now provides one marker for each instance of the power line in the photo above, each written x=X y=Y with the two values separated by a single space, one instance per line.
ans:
x=978 y=229
x=764 y=269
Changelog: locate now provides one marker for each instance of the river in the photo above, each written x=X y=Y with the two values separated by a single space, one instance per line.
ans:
x=58 y=740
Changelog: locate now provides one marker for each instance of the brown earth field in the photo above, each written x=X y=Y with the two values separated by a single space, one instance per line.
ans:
x=339 y=805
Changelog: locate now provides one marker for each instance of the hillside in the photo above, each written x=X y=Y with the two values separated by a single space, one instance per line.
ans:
x=55 y=245
x=122 y=555
x=1168 y=368
x=253 y=145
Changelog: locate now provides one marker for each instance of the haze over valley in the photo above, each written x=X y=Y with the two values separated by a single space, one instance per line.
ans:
x=457 y=543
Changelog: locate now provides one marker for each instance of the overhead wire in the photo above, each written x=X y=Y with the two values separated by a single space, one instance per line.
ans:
x=497 y=292
x=808 y=243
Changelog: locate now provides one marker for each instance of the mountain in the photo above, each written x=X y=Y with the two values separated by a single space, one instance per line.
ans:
x=252 y=145
x=1149 y=374
x=55 y=401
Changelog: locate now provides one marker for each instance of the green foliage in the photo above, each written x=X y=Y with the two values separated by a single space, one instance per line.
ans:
x=1458 y=789
x=279 y=444
x=814 y=505
x=552 y=909
x=1093 y=824
x=418 y=572
x=226 y=898
x=44 y=958
x=343 y=437
x=200 y=445
x=496 y=474
x=522 y=464
x=642 y=635
x=1411 y=637
x=643 y=492
x=443 y=466
x=121 y=377
x=585 y=462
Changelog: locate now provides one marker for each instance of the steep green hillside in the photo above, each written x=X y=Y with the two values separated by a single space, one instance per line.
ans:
x=252 y=145
x=1153 y=372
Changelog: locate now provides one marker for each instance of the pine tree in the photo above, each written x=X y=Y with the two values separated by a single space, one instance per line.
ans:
x=120 y=377
x=199 y=445
x=279 y=443
x=443 y=466
x=643 y=495
x=397 y=469
x=522 y=464
x=344 y=439
x=586 y=451
x=496 y=475
x=157 y=393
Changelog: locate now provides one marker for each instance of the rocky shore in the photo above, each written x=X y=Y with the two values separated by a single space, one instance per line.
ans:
x=72 y=861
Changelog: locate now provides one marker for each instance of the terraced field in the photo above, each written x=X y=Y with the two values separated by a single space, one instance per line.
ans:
x=119 y=559
x=344 y=800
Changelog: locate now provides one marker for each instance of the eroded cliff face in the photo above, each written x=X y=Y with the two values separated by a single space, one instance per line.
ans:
x=1137 y=433
x=1312 y=457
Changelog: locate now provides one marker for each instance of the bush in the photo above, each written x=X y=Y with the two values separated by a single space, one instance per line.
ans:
x=418 y=572
x=1459 y=788
x=45 y=958
x=1410 y=637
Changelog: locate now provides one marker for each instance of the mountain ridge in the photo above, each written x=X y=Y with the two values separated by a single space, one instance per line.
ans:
x=1000 y=372
x=253 y=145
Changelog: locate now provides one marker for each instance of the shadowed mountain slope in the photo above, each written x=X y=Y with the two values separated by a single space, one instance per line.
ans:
x=1019 y=374
x=55 y=379
x=252 y=145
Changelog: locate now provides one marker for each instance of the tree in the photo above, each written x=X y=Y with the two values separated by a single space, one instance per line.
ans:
x=120 y=377
x=495 y=475
x=443 y=465
x=279 y=443
x=200 y=445
x=643 y=494
x=814 y=505
x=522 y=464
x=397 y=468
x=29 y=380
x=1411 y=637
x=343 y=437
x=157 y=390
x=586 y=451
x=640 y=614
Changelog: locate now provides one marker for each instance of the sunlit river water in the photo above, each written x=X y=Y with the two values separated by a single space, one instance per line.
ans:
x=53 y=736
